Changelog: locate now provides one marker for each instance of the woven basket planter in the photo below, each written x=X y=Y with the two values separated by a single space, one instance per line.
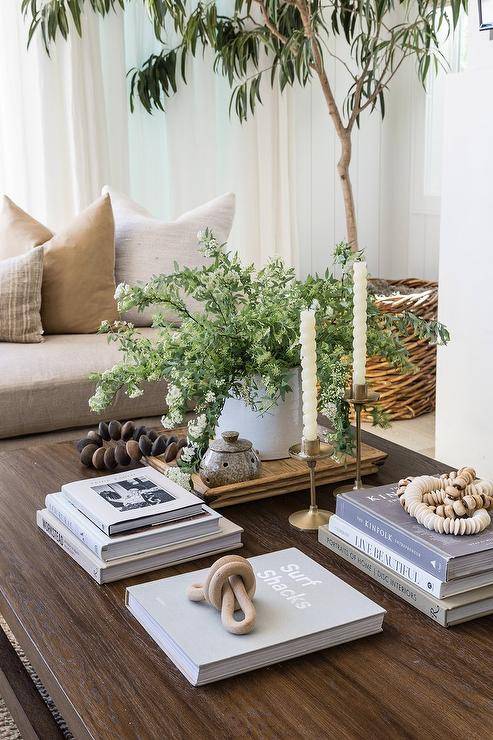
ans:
x=407 y=395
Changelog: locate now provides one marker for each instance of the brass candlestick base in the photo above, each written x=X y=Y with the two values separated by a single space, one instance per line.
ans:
x=310 y=451
x=359 y=396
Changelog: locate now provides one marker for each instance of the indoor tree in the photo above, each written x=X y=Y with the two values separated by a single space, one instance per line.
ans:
x=287 y=41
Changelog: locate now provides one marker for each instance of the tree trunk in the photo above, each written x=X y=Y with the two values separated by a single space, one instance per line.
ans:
x=347 y=190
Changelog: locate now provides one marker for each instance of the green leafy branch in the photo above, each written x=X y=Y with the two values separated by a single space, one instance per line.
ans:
x=243 y=341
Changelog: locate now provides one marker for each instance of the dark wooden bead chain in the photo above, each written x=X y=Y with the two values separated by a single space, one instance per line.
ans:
x=118 y=445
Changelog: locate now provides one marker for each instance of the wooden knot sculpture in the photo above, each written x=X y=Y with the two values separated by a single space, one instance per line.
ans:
x=455 y=503
x=230 y=585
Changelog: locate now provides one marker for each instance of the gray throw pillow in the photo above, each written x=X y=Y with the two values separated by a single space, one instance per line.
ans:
x=146 y=246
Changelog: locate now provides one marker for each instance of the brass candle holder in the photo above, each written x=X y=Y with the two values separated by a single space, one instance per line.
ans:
x=359 y=396
x=310 y=451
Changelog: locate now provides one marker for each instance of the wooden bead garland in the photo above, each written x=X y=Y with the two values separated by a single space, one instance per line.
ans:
x=119 y=445
x=454 y=503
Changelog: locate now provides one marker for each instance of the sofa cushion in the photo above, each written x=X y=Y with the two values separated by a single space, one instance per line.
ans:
x=146 y=246
x=20 y=297
x=19 y=231
x=79 y=273
x=44 y=387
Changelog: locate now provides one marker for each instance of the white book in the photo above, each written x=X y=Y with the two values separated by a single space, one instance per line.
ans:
x=403 y=567
x=227 y=538
x=131 y=499
x=301 y=607
x=130 y=543
x=447 y=612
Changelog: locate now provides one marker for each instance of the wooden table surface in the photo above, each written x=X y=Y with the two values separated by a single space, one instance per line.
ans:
x=109 y=680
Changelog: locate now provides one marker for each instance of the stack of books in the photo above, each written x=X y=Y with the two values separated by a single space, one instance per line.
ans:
x=448 y=578
x=300 y=606
x=132 y=522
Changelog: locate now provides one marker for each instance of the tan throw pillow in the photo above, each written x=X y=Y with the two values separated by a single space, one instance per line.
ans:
x=20 y=297
x=19 y=231
x=146 y=246
x=79 y=273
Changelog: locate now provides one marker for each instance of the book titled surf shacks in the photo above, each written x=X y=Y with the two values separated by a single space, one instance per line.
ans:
x=301 y=607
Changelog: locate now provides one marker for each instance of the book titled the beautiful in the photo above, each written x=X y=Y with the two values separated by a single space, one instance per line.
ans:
x=446 y=612
x=131 y=499
x=228 y=537
x=301 y=607
x=403 y=567
x=129 y=543
x=378 y=512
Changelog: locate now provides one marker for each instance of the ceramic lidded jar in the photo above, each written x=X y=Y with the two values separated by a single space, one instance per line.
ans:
x=229 y=459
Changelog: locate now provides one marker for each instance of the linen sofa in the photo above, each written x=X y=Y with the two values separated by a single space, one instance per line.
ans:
x=44 y=381
x=45 y=388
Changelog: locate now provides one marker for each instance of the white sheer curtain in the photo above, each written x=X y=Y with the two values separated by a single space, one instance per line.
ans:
x=65 y=130
x=63 y=118
x=195 y=151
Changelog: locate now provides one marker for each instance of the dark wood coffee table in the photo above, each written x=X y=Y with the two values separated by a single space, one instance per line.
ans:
x=109 y=680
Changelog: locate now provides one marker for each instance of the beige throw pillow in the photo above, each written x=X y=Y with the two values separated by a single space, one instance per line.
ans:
x=20 y=297
x=79 y=273
x=79 y=265
x=146 y=246
x=19 y=231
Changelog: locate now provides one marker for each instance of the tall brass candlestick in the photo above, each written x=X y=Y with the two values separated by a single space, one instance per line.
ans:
x=359 y=397
x=310 y=451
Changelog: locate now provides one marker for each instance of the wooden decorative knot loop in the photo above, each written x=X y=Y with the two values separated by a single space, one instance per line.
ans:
x=229 y=586
x=454 y=503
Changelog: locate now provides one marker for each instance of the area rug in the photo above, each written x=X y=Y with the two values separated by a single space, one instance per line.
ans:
x=8 y=729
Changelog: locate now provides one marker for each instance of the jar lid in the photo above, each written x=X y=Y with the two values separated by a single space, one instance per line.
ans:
x=230 y=442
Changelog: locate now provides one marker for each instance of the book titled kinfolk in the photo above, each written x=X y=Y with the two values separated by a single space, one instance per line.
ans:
x=301 y=607
x=378 y=513
x=450 y=611
x=131 y=499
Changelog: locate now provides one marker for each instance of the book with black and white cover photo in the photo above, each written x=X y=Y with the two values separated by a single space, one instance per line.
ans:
x=143 y=539
x=300 y=606
x=131 y=499
x=227 y=537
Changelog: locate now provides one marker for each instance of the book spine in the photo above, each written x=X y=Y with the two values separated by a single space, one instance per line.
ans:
x=76 y=553
x=399 y=586
x=399 y=542
x=76 y=528
x=402 y=567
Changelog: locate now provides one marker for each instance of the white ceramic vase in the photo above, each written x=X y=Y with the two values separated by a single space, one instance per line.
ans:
x=273 y=432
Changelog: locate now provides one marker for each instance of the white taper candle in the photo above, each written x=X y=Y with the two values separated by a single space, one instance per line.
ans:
x=309 y=374
x=359 y=322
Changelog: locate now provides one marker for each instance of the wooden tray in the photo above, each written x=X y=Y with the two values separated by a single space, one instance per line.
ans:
x=279 y=476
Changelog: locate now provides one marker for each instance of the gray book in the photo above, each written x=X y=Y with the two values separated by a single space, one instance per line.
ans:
x=378 y=512
x=446 y=612
x=301 y=607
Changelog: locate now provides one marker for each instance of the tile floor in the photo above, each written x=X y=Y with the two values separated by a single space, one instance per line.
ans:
x=416 y=434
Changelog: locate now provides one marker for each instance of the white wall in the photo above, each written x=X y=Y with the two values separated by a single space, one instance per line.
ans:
x=465 y=367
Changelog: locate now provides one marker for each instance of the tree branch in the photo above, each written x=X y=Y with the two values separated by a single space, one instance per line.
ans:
x=269 y=23
x=382 y=83
x=318 y=64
